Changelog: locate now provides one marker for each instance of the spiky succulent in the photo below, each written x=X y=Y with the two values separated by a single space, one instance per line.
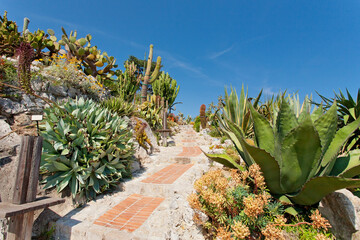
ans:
x=86 y=148
x=298 y=156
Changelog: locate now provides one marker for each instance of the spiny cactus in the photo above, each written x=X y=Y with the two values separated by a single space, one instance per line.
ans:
x=90 y=56
x=149 y=79
x=167 y=88
x=202 y=116
x=39 y=40
x=10 y=38
x=128 y=82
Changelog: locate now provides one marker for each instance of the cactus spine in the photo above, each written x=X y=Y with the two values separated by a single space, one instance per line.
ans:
x=148 y=79
x=202 y=116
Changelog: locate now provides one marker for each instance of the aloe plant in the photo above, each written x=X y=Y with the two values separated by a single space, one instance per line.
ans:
x=298 y=156
x=86 y=148
x=236 y=110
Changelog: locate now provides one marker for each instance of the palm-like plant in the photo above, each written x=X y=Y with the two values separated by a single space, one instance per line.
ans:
x=298 y=156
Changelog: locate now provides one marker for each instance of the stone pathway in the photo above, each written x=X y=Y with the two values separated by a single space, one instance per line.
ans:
x=152 y=205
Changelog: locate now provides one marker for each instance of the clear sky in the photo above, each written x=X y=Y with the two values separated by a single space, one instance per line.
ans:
x=303 y=46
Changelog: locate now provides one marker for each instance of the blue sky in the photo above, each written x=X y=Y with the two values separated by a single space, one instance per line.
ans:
x=303 y=46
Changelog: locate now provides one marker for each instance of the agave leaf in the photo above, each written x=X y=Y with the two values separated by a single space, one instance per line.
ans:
x=301 y=151
x=347 y=166
x=225 y=160
x=317 y=188
x=264 y=134
x=268 y=165
x=317 y=113
x=326 y=126
x=339 y=139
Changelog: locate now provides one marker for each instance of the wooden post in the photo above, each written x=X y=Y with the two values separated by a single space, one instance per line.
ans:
x=27 y=177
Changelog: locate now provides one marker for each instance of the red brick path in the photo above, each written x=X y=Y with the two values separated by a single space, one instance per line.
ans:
x=190 y=152
x=169 y=174
x=129 y=214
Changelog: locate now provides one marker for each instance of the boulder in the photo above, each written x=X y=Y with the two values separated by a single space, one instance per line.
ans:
x=10 y=142
x=342 y=210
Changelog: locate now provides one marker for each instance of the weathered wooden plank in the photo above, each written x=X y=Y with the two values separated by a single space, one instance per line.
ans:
x=23 y=171
x=10 y=209
x=34 y=169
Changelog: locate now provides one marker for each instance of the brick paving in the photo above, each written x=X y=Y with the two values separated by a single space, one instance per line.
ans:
x=169 y=174
x=129 y=214
x=190 y=152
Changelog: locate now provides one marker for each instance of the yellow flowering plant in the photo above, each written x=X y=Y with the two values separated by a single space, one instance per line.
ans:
x=239 y=206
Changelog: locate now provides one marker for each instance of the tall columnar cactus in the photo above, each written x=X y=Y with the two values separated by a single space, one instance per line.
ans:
x=149 y=79
x=167 y=88
x=90 y=56
x=203 y=116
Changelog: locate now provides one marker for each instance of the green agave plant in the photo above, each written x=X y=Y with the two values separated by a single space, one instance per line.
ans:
x=236 y=110
x=151 y=114
x=298 y=156
x=85 y=147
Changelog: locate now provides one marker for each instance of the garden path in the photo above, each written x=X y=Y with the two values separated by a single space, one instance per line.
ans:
x=153 y=204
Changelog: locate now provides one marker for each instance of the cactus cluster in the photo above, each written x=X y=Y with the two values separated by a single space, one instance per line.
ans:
x=9 y=36
x=95 y=63
x=127 y=82
x=203 y=116
x=166 y=87
x=10 y=39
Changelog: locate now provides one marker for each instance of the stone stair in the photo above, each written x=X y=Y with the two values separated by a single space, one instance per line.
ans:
x=152 y=205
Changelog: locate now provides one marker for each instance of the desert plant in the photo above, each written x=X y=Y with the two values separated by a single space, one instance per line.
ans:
x=151 y=114
x=149 y=79
x=90 y=56
x=348 y=112
x=203 y=116
x=298 y=156
x=119 y=106
x=167 y=88
x=86 y=148
x=235 y=109
x=10 y=38
x=127 y=82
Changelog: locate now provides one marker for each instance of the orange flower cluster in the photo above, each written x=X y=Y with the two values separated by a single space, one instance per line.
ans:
x=271 y=232
x=319 y=221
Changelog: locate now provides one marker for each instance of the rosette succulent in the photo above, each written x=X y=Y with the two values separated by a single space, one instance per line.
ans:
x=86 y=148
x=298 y=156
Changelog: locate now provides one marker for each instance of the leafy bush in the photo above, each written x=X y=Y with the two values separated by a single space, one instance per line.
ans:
x=298 y=156
x=86 y=148
x=238 y=206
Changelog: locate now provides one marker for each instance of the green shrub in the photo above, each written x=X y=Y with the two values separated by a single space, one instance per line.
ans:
x=151 y=114
x=86 y=148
